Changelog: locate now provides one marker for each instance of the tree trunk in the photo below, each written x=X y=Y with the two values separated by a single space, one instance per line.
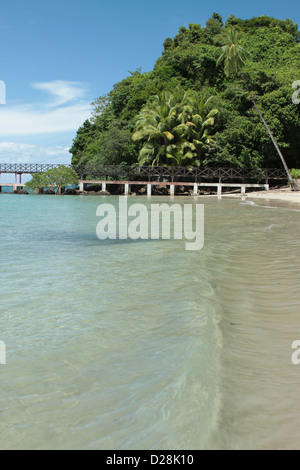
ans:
x=292 y=183
x=39 y=190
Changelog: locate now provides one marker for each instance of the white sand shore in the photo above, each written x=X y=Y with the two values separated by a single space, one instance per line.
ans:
x=283 y=194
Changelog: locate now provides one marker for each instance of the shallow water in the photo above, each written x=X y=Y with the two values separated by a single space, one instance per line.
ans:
x=125 y=344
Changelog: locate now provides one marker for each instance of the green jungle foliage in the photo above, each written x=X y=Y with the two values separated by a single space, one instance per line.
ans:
x=144 y=120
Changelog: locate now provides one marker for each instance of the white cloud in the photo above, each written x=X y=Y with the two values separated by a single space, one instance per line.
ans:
x=11 y=152
x=62 y=90
x=66 y=110
x=64 y=113
x=29 y=120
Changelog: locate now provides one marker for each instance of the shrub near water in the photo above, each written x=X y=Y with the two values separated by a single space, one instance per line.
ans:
x=59 y=178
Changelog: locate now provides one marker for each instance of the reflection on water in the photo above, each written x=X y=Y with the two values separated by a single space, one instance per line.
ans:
x=141 y=344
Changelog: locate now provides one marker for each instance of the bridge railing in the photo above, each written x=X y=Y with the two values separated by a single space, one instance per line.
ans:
x=180 y=174
x=156 y=173
x=23 y=168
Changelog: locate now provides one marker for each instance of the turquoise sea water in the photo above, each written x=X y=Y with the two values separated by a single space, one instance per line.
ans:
x=123 y=344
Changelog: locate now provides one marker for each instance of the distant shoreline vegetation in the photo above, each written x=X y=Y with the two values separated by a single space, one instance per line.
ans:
x=223 y=65
x=55 y=179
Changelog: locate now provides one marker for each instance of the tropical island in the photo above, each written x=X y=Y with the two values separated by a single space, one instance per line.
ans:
x=223 y=95
x=201 y=62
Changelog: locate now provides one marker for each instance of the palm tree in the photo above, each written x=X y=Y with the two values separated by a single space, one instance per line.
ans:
x=233 y=56
x=175 y=127
x=155 y=123
x=196 y=122
x=292 y=182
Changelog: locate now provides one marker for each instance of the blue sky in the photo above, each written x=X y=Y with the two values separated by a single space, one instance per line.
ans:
x=58 y=56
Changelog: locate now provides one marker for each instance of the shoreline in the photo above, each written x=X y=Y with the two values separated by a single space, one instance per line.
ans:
x=281 y=195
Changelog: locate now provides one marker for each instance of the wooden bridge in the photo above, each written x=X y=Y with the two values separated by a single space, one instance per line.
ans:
x=179 y=174
x=147 y=175
x=150 y=173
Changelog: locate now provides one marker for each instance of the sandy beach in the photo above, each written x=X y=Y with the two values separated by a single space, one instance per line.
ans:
x=283 y=194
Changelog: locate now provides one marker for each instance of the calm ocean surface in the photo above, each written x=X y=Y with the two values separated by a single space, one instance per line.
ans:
x=142 y=344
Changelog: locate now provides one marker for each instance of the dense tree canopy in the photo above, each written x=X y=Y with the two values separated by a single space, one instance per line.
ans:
x=269 y=52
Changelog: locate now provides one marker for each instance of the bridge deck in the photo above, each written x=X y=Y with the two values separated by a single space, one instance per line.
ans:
x=172 y=185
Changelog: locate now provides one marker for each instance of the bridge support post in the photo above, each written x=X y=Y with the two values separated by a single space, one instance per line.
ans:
x=243 y=189
x=103 y=186
x=126 y=189
x=172 y=189
x=81 y=186
x=149 y=190
x=219 y=189
x=195 y=189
